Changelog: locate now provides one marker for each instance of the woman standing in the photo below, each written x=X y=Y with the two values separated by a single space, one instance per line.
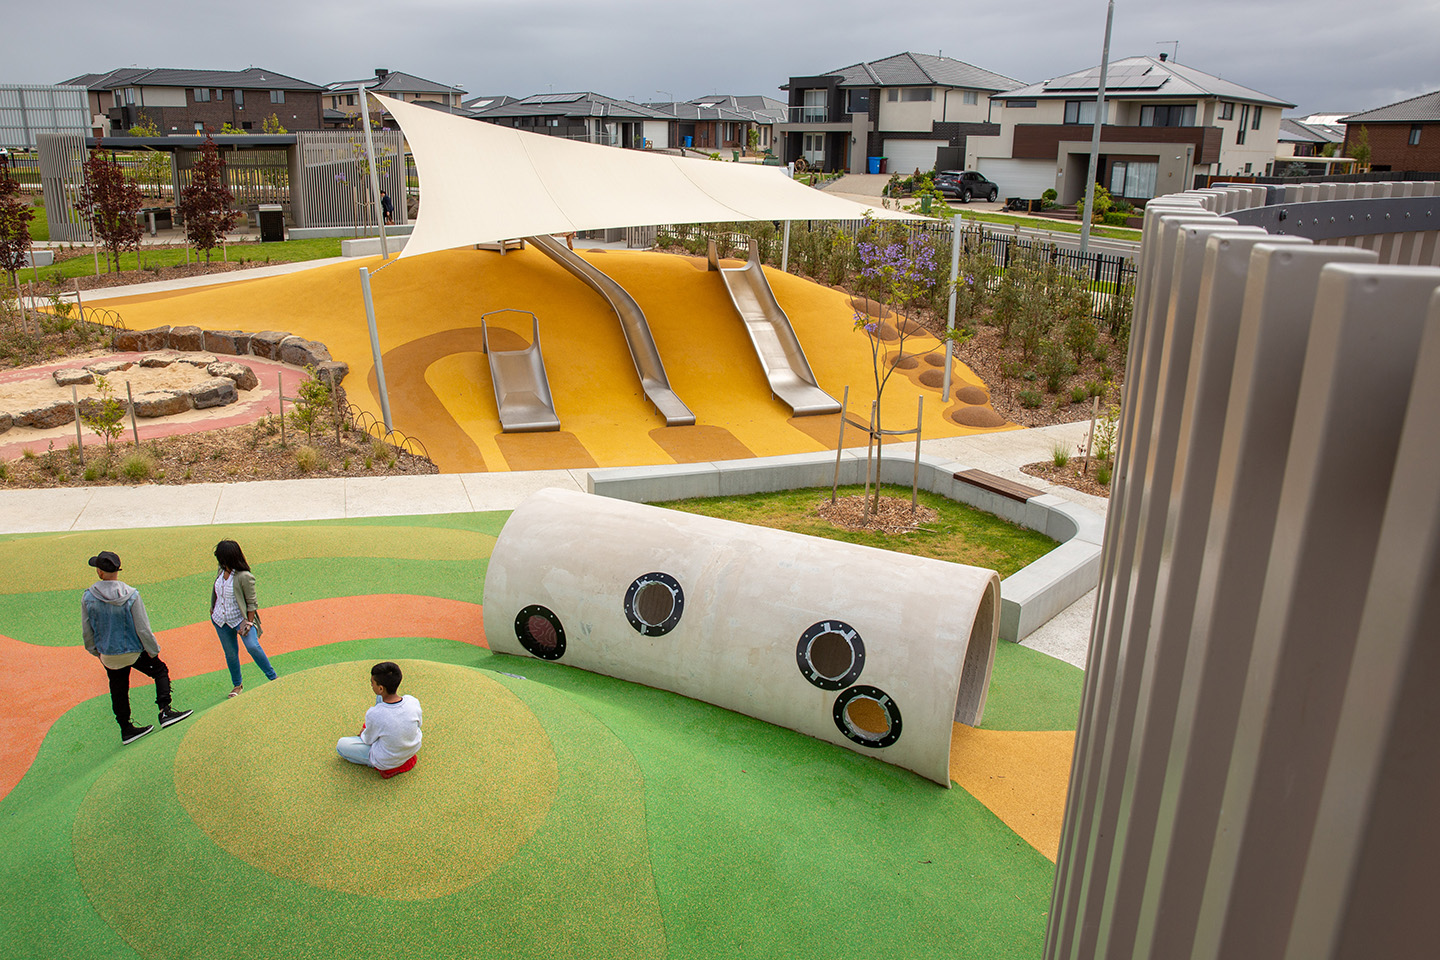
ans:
x=234 y=612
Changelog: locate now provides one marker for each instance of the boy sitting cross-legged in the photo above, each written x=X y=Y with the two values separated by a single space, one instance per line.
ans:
x=390 y=737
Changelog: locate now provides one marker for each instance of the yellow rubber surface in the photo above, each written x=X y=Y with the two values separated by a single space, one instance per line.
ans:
x=1021 y=775
x=428 y=313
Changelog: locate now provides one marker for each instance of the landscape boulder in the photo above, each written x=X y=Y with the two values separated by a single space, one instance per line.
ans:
x=56 y=413
x=303 y=353
x=266 y=343
x=73 y=378
x=243 y=377
x=186 y=338
x=231 y=343
x=196 y=359
x=332 y=372
x=6 y=422
x=156 y=338
x=109 y=367
x=159 y=359
x=214 y=392
x=162 y=403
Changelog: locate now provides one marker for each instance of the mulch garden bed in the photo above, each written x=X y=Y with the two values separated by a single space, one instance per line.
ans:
x=1068 y=475
x=894 y=516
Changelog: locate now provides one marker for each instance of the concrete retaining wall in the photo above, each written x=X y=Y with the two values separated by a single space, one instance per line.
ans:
x=1028 y=597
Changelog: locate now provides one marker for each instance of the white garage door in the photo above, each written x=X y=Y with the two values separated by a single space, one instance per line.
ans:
x=1026 y=179
x=906 y=156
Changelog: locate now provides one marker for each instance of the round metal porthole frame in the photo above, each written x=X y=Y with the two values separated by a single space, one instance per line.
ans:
x=850 y=635
x=677 y=608
x=523 y=634
x=887 y=703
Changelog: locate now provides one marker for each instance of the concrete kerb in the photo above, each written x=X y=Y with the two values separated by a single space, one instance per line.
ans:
x=1028 y=598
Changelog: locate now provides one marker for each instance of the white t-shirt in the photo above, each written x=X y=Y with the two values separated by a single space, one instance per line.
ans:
x=393 y=732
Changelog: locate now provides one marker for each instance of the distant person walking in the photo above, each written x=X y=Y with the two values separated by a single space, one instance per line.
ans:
x=117 y=630
x=235 y=613
x=387 y=205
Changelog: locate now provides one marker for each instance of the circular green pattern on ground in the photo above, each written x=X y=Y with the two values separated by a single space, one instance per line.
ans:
x=260 y=775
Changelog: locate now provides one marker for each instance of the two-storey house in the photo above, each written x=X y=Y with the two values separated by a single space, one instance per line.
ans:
x=592 y=117
x=913 y=109
x=721 y=122
x=190 y=101
x=1164 y=126
x=1403 y=136
x=342 y=98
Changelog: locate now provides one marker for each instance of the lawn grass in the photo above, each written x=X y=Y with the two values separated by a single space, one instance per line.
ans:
x=289 y=251
x=961 y=534
x=1058 y=226
x=39 y=226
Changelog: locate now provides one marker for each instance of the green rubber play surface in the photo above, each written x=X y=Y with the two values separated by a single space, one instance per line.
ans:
x=553 y=813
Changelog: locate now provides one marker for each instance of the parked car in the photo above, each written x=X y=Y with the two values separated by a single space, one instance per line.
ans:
x=965 y=184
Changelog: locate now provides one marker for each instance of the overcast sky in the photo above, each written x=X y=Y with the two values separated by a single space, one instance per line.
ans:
x=1323 y=55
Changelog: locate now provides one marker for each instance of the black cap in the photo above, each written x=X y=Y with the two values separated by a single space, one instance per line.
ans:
x=107 y=561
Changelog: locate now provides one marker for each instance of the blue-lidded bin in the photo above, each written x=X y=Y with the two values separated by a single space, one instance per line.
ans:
x=874 y=165
x=689 y=141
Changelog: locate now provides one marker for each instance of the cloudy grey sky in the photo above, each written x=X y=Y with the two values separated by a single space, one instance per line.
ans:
x=1323 y=55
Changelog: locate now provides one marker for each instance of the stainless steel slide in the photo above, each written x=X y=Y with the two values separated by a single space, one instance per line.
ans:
x=522 y=390
x=774 y=338
x=632 y=322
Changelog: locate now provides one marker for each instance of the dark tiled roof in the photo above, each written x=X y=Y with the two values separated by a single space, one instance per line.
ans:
x=484 y=102
x=1148 y=78
x=572 y=105
x=396 y=81
x=1421 y=109
x=1296 y=131
x=921 y=69
x=251 y=78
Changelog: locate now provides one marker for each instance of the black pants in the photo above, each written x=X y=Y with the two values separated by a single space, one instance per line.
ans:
x=152 y=667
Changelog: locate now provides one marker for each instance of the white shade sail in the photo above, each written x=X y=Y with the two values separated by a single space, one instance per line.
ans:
x=483 y=183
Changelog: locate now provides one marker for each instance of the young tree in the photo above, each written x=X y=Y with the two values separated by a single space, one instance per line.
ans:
x=15 y=216
x=207 y=204
x=1360 y=149
x=272 y=125
x=113 y=203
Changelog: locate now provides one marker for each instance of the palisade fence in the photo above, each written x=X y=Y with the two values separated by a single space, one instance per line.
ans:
x=335 y=182
x=1104 y=273
x=252 y=176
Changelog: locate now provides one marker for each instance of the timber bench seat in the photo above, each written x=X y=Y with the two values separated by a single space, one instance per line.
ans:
x=1006 y=488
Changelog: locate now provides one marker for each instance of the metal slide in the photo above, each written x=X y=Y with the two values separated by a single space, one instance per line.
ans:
x=522 y=390
x=774 y=338
x=632 y=322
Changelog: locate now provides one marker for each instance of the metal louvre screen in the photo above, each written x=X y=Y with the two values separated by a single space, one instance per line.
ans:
x=335 y=179
x=62 y=172
x=28 y=111
x=1254 y=774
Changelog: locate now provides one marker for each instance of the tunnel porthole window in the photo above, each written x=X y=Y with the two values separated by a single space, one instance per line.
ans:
x=868 y=716
x=831 y=654
x=540 y=631
x=654 y=604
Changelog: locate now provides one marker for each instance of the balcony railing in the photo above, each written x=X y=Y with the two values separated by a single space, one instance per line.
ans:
x=810 y=114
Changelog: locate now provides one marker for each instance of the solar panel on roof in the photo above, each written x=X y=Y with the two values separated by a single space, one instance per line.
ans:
x=555 y=98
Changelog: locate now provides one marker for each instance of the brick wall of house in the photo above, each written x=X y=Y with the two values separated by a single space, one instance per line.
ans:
x=1390 y=146
x=300 y=111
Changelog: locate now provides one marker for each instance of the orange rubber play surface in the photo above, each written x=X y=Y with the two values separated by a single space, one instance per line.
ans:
x=428 y=314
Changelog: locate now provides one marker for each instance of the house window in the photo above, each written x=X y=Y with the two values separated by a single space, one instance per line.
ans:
x=125 y=97
x=277 y=96
x=1415 y=135
x=916 y=94
x=814 y=109
x=1134 y=180
x=219 y=95
x=970 y=97
x=199 y=126
x=1079 y=111
x=729 y=133
x=246 y=125
x=1020 y=104
x=1255 y=121
x=1244 y=121
x=857 y=101
x=1177 y=115
x=201 y=94
x=1227 y=111
x=893 y=94
x=350 y=100
x=239 y=99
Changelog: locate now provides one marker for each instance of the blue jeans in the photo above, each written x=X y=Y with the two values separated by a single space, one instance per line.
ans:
x=354 y=749
x=229 y=642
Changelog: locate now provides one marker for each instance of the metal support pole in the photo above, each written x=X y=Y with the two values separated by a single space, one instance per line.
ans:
x=840 y=445
x=375 y=348
x=950 y=314
x=785 y=250
x=130 y=401
x=1089 y=209
x=915 y=481
x=79 y=440
x=280 y=392
x=379 y=216
x=78 y=302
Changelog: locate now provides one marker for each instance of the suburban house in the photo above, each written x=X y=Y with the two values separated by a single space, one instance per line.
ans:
x=592 y=117
x=190 y=101
x=1307 y=146
x=1165 y=127
x=1404 y=136
x=342 y=104
x=906 y=108
x=475 y=104
x=722 y=122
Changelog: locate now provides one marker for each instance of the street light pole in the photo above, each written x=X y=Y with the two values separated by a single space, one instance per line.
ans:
x=1089 y=210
